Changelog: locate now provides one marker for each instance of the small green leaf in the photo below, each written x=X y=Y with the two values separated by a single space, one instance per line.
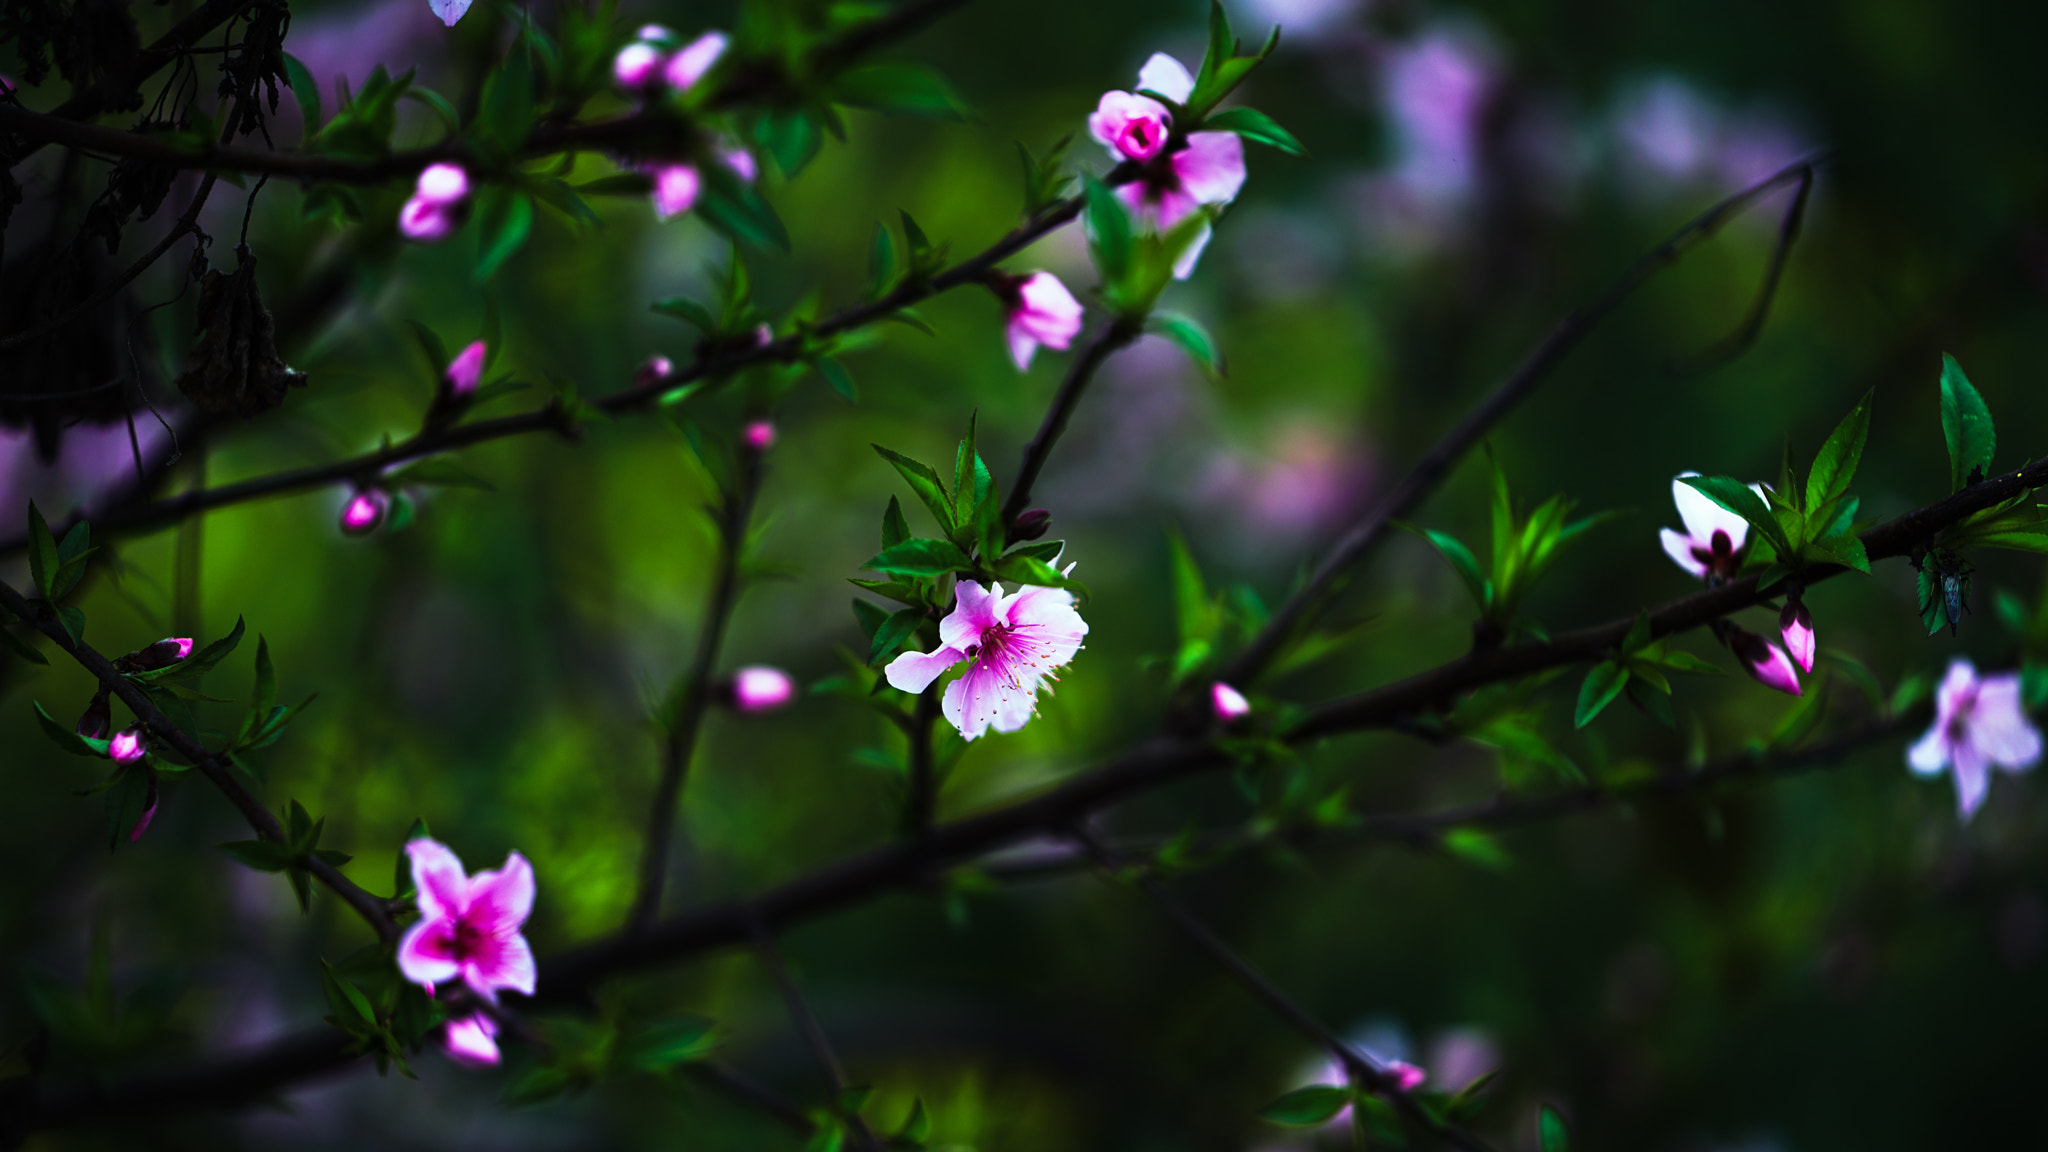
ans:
x=900 y=90
x=1191 y=338
x=837 y=378
x=1966 y=424
x=1845 y=550
x=1835 y=467
x=306 y=91
x=893 y=632
x=739 y=211
x=1257 y=127
x=925 y=483
x=1461 y=560
x=1478 y=847
x=68 y=739
x=895 y=529
x=881 y=261
x=43 y=560
x=1551 y=1133
x=920 y=556
x=1599 y=689
x=662 y=1044
x=1309 y=1107
x=1109 y=231
x=507 y=224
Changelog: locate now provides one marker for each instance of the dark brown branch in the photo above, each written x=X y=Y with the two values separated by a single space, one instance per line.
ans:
x=1744 y=337
x=215 y=768
x=1362 y=1072
x=1430 y=471
x=735 y=510
x=807 y=1025
x=923 y=807
x=1119 y=334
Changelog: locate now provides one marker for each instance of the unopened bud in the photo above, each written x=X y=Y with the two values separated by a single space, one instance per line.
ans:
x=760 y=688
x=655 y=368
x=1030 y=525
x=1795 y=625
x=1767 y=662
x=126 y=747
x=1228 y=703
x=98 y=718
x=365 y=511
x=466 y=370
x=161 y=654
x=759 y=435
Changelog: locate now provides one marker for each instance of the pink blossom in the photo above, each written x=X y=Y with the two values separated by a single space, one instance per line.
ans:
x=1166 y=76
x=424 y=223
x=1769 y=664
x=690 y=63
x=1041 y=311
x=434 y=211
x=1228 y=703
x=441 y=184
x=1407 y=1077
x=1131 y=126
x=656 y=368
x=1011 y=646
x=1977 y=723
x=364 y=511
x=675 y=189
x=448 y=10
x=741 y=162
x=1715 y=540
x=759 y=688
x=656 y=34
x=1795 y=624
x=759 y=435
x=469 y=1040
x=469 y=925
x=637 y=65
x=1209 y=170
x=126 y=747
x=466 y=369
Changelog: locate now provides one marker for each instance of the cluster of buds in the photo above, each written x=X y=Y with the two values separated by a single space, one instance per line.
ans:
x=130 y=745
x=1713 y=547
x=657 y=60
x=440 y=201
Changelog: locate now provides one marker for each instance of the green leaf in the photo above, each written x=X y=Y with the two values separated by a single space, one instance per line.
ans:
x=68 y=738
x=21 y=648
x=1109 y=231
x=662 y=1044
x=900 y=90
x=506 y=112
x=43 y=560
x=1551 y=1133
x=881 y=261
x=925 y=484
x=837 y=378
x=1461 y=560
x=262 y=855
x=739 y=211
x=1478 y=847
x=507 y=224
x=895 y=530
x=1966 y=424
x=689 y=312
x=916 y=1127
x=791 y=136
x=893 y=632
x=1833 y=469
x=1845 y=550
x=920 y=556
x=1191 y=338
x=1309 y=1107
x=306 y=91
x=1599 y=689
x=1258 y=127
x=1740 y=499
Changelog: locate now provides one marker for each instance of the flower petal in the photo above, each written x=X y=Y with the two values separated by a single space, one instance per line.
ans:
x=915 y=671
x=1211 y=167
x=1168 y=77
x=1973 y=780
x=467 y=369
x=1022 y=346
x=1678 y=546
x=1703 y=517
x=1184 y=264
x=690 y=63
x=438 y=876
x=1999 y=725
x=427 y=953
x=500 y=901
x=468 y=1040
x=974 y=612
x=448 y=10
x=1929 y=754
x=500 y=962
x=1773 y=669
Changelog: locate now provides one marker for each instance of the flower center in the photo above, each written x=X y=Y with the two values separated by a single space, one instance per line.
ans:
x=1959 y=720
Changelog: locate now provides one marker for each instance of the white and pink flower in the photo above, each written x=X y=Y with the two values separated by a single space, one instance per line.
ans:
x=1228 y=704
x=1977 y=723
x=760 y=688
x=1011 y=645
x=469 y=931
x=1208 y=169
x=1795 y=625
x=1715 y=540
x=438 y=201
x=693 y=60
x=1040 y=311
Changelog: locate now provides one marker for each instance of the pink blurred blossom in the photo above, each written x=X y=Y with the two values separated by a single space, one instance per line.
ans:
x=471 y=1040
x=759 y=688
x=127 y=746
x=1977 y=723
x=469 y=925
x=1303 y=478
x=637 y=65
x=693 y=60
x=1228 y=703
x=448 y=10
x=675 y=189
x=467 y=369
x=759 y=435
x=1011 y=645
x=1041 y=311
x=365 y=511
x=437 y=203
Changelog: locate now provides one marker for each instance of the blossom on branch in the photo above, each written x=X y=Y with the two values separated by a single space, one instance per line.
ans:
x=1040 y=311
x=471 y=1040
x=1176 y=181
x=1131 y=126
x=126 y=747
x=760 y=688
x=1771 y=665
x=365 y=511
x=1977 y=723
x=1715 y=540
x=469 y=925
x=1228 y=703
x=466 y=370
x=1795 y=624
x=1011 y=644
x=438 y=202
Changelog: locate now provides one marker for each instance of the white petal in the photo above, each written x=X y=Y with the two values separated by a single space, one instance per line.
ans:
x=1929 y=755
x=1166 y=76
x=1703 y=517
x=1679 y=547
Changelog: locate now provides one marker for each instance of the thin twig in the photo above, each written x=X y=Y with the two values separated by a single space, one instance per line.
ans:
x=1436 y=464
x=806 y=1024
x=1117 y=335
x=736 y=509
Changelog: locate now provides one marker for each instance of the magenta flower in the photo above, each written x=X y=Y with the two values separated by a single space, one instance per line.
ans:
x=693 y=60
x=759 y=688
x=1407 y=1077
x=470 y=1040
x=1977 y=723
x=364 y=511
x=741 y=162
x=1795 y=624
x=448 y=10
x=759 y=435
x=466 y=370
x=1011 y=646
x=1041 y=311
x=438 y=201
x=1769 y=664
x=1207 y=169
x=469 y=925
x=1131 y=126
x=1715 y=540
x=126 y=747
x=1228 y=703
x=675 y=189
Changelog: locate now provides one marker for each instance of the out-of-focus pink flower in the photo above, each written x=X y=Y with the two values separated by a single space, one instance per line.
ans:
x=741 y=162
x=1209 y=170
x=1168 y=77
x=1977 y=723
x=1041 y=311
x=448 y=10
x=469 y=1040
x=675 y=189
x=657 y=35
x=759 y=435
x=1131 y=126
x=467 y=369
x=693 y=60
x=126 y=747
x=1795 y=625
x=656 y=368
x=1770 y=664
x=469 y=925
x=1715 y=540
x=365 y=511
x=637 y=65
x=435 y=209
x=759 y=688
x=1407 y=1077
x=148 y=813
x=1011 y=645
x=1228 y=703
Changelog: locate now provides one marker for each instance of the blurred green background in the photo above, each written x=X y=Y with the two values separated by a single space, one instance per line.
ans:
x=1825 y=963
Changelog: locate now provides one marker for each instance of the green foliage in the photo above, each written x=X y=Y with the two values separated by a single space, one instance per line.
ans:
x=1309 y=1107
x=300 y=846
x=1966 y=425
x=1222 y=68
x=1258 y=127
x=1551 y=1134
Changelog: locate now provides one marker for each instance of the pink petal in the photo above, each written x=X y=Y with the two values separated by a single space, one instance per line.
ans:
x=974 y=612
x=1132 y=127
x=1228 y=703
x=424 y=222
x=427 y=953
x=1184 y=264
x=915 y=671
x=1679 y=548
x=759 y=688
x=442 y=184
x=1406 y=1076
x=468 y=1040
x=1999 y=725
x=126 y=747
x=364 y=511
x=690 y=64
x=466 y=369
x=1211 y=167
x=1023 y=345
x=1930 y=754
x=1168 y=77
x=1775 y=670
x=503 y=962
x=741 y=162
x=438 y=878
x=1799 y=643
x=675 y=190
x=448 y=10
x=1973 y=779
x=500 y=901
x=1957 y=691
x=1047 y=310
x=636 y=65
x=982 y=697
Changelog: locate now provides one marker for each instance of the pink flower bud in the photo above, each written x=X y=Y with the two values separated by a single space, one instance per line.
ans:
x=98 y=718
x=759 y=688
x=1764 y=660
x=466 y=369
x=469 y=1040
x=759 y=435
x=1228 y=703
x=441 y=184
x=675 y=190
x=161 y=654
x=1030 y=525
x=741 y=162
x=423 y=222
x=1795 y=624
x=637 y=66
x=365 y=511
x=183 y=643
x=437 y=200
x=690 y=64
x=764 y=335
x=1407 y=1077
x=1132 y=127
x=655 y=368
x=656 y=35
x=1041 y=311
x=126 y=747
